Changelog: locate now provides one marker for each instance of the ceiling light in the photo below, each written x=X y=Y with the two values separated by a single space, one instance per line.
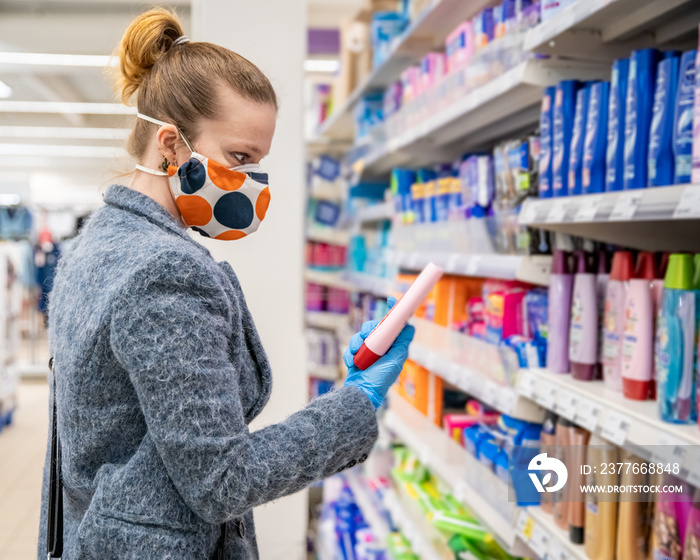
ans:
x=74 y=132
x=325 y=66
x=46 y=59
x=9 y=199
x=102 y=152
x=65 y=107
x=5 y=90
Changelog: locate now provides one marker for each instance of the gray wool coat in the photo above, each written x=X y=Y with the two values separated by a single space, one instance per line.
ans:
x=159 y=371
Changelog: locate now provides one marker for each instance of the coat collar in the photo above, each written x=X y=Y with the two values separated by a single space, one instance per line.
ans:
x=135 y=202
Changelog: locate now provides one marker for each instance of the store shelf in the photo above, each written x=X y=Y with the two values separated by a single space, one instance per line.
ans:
x=325 y=320
x=547 y=541
x=327 y=191
x=534 y=269
x=471 y=365
x=330 y=279
x=327 y=372
x=630 y=218
x=382 y=287
x=376 y=522
x=447 y=460
x=375 y=213
x=427 y=31
x=328 y=235
x=410 y=527
x=608 y=29
x=506 y=105
x=634 y=425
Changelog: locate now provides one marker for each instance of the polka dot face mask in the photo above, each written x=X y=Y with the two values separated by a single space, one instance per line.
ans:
x=214 y=200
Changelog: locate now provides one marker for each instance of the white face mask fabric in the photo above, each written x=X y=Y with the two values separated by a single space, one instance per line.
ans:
x=214 y=200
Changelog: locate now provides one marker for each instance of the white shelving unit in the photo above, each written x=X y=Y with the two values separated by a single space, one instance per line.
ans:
x=377 y=523
x=409 y=527
x=330 y=279
x=328 y=235
x=325 y=320
x=629 y=218
x=375 y=213
x=547 y=541
x=382 y=287
x=327 y=372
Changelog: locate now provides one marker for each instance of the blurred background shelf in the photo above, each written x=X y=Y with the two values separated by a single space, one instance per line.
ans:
x=331 y=279
x=327 y=235
x=382 y=287
x=325 y=320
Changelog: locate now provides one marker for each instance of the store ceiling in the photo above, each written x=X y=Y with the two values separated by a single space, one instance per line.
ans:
x=77 y=27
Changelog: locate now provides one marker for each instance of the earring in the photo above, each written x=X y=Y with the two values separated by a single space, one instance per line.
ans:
x=164 y=166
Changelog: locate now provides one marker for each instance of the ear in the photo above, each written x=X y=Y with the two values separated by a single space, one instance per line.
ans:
x=167 y=138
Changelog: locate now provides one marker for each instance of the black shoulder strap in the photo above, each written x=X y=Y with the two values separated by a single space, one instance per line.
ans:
x=54 y=531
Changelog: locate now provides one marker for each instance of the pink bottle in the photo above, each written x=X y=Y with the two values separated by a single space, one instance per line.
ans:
x=382 y=337
x=561 y=283
x=638 y=338
x=601 y=281
x=614 y=320
x=583 y=337
x=657 y=292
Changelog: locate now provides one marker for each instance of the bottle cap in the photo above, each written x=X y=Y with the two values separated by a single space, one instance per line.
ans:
x=560 y=262
x=621 y=266
x=603 y=262
x=636 y=389
x=663 y=264
x=646 y=267
x=576 y=534
x=696 y=275
x=679 y=275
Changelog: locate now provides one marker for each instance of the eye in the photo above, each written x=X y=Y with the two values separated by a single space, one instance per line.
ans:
x=242 y=157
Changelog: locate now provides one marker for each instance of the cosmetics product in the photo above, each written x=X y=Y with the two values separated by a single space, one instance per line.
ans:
x=577 y=506
x=691 y=549
x=671 y=519
x=583 y=337
x=384 y=334
x=601 y=282
x=563 y=447
x=615 y=152
x=683 y=119
x=638 y=338
x=696 y=124
x=634 y=516
x=601 y=515
x=593 y=174
x=578 y=136
x=639 y=100
x=563 y=115
x=559 y=308
x=614 y=318
x=675 y=343
x=661 y=159
x=401 y=181
x=548 y=440
x=546 y=142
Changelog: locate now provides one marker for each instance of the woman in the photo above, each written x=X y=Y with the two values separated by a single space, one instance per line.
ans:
x=158 y=366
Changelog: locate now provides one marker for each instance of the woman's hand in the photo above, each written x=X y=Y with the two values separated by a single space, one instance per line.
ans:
x=376 y=379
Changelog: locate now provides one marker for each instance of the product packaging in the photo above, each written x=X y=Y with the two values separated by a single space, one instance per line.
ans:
x=683 y=119
x=546 y=142
x=559 y=313
x=634 y=516
x=615 y=153
x=661 y=159
x=670 y=520
x=548 y=440
x=614 y=319
x=578 y=136
x=583 y=338
x=601 y=515
x=564 y=109
x=601 y=294
x=593 y=174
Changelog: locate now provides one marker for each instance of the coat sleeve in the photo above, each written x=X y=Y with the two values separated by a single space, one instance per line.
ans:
x=170 y=330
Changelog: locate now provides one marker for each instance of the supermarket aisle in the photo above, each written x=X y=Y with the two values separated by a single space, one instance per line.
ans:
x=20 y=479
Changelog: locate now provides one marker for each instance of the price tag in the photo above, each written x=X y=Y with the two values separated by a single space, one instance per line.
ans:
x=539 y=541
x=452 y=264
x=547 y=396
x=588 y=209
x=669 y=450
x=476 y=386
x=528 y=528
x=625 y=206
x=522 y=522
x=460 y=491
x=689 y=204
x=587 y=414
x=527 y=384
x=424 y=456
x=693 y=465
x=529 y=212
x=558 y=211
x=615 y=427
x=473 y=265
x=490 y=394
x=412 y=260
x=557 y=551
x=565 y=404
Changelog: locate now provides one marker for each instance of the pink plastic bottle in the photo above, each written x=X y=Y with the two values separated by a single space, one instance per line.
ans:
x=583 y=338
x=614 y=320
x=559 y=313
x=638 y=338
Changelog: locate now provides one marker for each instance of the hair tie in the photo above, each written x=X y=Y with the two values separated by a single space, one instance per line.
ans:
x=180 y=40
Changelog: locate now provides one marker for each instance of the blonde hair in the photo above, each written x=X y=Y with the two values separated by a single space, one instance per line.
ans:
x=175 y=83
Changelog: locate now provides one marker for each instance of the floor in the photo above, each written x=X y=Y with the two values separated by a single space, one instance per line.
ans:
x=22 y=452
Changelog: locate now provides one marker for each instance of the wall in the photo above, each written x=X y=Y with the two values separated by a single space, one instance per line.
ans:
x=272 y=34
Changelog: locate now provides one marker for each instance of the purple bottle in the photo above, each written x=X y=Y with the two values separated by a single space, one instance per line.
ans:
x=559 y=314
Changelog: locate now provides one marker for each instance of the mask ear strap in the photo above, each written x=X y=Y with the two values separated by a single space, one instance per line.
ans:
x=161 y=123
x=151 y=171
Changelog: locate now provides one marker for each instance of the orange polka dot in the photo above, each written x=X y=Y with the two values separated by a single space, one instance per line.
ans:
x=224 y=178
x=195 y=210
x=262 y=203
x=171 y=170
x=231 y=235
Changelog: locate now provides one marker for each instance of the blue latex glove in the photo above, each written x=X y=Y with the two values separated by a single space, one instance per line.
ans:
x=376 y=379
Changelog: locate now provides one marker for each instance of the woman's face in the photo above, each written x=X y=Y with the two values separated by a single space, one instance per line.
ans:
x=241 y=134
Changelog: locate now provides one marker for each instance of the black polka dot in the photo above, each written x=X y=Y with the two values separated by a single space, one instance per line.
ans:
x=234 y=210
x=192 y=176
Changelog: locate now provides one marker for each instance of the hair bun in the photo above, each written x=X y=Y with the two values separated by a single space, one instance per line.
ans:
x=145 y=41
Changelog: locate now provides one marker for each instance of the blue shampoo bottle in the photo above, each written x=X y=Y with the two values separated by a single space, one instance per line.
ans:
x=578 y=136
x=639 y=101
x=564 y=108
x=683 y=118
x=593 y=174
x=615 y=153
x=660 y=160
x=546 y=188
